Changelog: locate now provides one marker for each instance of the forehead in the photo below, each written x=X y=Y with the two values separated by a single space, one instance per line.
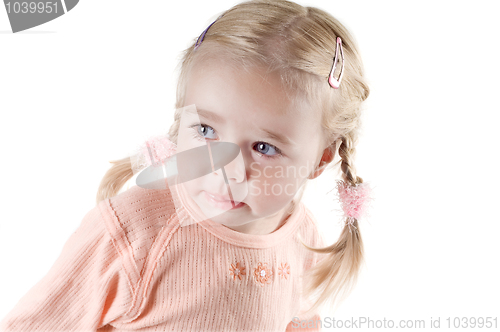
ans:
x=253 y=95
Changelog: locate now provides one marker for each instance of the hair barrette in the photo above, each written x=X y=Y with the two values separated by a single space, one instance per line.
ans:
x=202 y=36
x=334 y=82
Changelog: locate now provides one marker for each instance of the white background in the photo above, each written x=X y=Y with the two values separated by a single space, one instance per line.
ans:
x=91 y=85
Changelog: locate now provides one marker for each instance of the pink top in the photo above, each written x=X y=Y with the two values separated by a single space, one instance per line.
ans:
x=131 y=266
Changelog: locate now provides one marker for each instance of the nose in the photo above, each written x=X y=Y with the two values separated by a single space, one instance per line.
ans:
x=235 y=169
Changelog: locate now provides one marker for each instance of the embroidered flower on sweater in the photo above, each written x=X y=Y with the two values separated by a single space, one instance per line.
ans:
x=284 y=270
x=262 y=274
x=237 y=271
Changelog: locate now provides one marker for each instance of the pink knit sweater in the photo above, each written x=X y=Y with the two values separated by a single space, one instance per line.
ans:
x=130 y=266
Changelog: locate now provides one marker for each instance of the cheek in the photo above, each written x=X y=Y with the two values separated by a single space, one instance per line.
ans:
x=273 y=185
x=186 y=140
x=192 y=188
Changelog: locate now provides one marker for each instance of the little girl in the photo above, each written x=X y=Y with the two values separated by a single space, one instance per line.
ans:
x=282 y=83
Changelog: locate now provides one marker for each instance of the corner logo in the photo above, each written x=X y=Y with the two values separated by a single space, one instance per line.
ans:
x=25 y=15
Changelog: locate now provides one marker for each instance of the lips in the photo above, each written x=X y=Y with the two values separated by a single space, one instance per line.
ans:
x=220 y=202
x=222 y=198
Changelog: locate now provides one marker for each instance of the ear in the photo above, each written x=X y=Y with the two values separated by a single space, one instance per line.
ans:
x=328 y=156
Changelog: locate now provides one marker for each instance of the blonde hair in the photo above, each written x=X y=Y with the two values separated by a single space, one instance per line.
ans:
x=299 y=43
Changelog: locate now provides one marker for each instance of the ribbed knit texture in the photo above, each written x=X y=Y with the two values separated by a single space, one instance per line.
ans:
x=131 y=266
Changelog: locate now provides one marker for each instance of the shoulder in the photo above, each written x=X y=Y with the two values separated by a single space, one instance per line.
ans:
x=137 y=219
x=136 y=202
x=138 y=210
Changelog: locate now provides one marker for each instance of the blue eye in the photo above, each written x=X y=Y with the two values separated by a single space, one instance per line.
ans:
x=203 y=129
x=264 y=148
x=267 y=150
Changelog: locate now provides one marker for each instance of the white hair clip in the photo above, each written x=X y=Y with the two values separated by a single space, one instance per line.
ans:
x=335 y=82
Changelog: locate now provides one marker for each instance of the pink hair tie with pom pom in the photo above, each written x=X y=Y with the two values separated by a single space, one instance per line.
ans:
x=157 y=149
x=152 y=151
x=354 y=200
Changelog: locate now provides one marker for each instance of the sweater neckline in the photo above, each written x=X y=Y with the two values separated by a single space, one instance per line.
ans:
x=189 y=209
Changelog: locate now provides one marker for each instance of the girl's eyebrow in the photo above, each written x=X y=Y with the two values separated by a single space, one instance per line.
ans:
x=208 y=115
x=219 y=119
x=278 y=137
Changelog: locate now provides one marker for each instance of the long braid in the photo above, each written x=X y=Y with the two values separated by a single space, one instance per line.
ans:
x=347 y=151
x=344 y=256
